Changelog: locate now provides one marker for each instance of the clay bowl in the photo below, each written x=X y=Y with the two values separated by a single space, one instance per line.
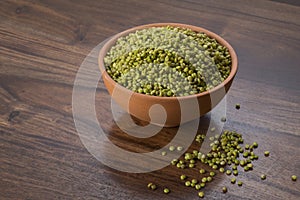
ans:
x=178 y=110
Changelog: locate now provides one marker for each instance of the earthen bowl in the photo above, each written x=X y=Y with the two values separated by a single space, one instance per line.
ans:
x=138 y=104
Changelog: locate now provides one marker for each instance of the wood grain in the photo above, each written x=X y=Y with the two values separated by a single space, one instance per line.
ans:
x=43 y=43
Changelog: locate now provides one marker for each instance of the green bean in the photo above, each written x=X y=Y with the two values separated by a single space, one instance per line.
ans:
x=183 y=177
x=166 y=190
x=240 y=183
x=201 y=194
x=224 y=189
x=267 y=153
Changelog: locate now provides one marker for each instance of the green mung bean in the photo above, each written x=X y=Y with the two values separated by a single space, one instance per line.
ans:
x=222 y=170
x=267 y=153
x=183 y=177
x=224 y=189
x=240 y=183
x=235 y=172
x=179 y=148
x=201 y=194
x=174 y=161
x=191 y=165
x=166 y=190
x=153 y=187
x=233 y=180
x=171 y=148
x=188 y=183
x=194 y=181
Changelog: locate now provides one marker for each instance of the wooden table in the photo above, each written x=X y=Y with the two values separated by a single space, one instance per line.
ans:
x=42 y=45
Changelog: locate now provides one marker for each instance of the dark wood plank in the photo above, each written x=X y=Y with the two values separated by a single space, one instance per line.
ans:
x=42 y=44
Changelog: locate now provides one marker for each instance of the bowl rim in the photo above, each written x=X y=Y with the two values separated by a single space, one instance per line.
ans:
x=111 y=41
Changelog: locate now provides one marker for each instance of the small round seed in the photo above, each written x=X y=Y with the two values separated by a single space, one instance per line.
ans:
x=166 y=190
x=195 y=181
x=174 y=161
x=233 y=180
x=267 y=153
x=209 y=179
x=250 y=165
x=201 y=194
x=242 y=163
x=188 y=156
x=240 y=183
x=224 y=189
x=235 y=172
x=179 y=148
x=246 y=154
x=191 y=165
x=263 y=177
x=228 y=172
x=163 y=153
x=183 y=177
x=149 y=185
x=222 y=163
x=237 y=106
x=153 y=187
x=171 y=148
x=188 y=183
x=294 y=178
x=215 y=166
x=202 y=171
x=255 y=145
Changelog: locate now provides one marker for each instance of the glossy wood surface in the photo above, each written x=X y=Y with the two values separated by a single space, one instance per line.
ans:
x=42 y=45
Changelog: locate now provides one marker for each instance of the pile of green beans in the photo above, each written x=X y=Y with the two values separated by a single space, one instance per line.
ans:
x=168 y=61
x=229 y=155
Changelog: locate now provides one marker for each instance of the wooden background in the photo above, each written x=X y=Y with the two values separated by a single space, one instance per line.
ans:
x=43 y=43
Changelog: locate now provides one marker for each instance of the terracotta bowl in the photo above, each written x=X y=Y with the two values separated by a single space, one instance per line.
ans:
x=177 y=109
